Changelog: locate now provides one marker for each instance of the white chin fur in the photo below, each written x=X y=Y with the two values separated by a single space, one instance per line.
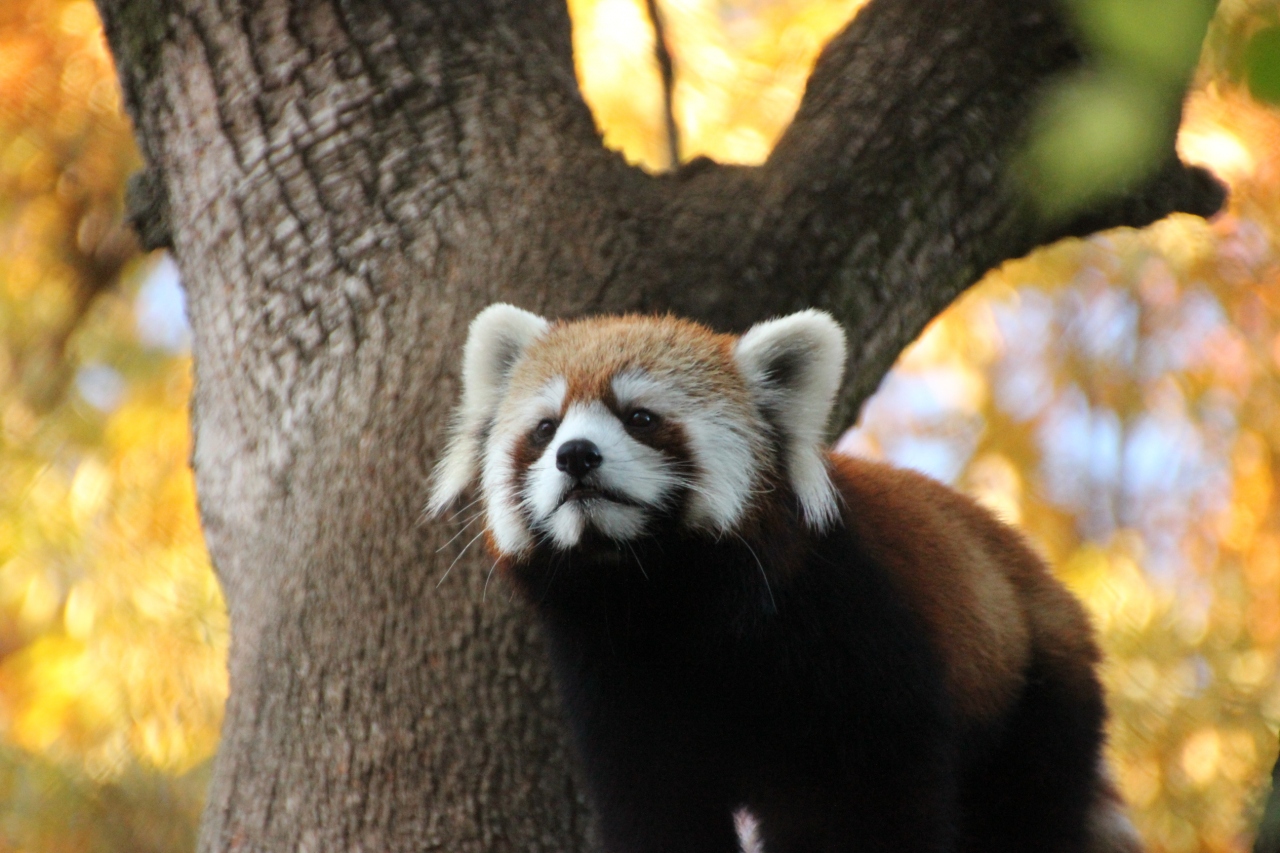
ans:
x=615 y=521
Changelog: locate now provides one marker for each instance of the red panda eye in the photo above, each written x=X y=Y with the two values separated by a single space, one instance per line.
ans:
x=545 y=430
x=642 y=419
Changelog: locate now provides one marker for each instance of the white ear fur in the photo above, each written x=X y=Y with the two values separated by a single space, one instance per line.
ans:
x=495 y=341
x=793 y=367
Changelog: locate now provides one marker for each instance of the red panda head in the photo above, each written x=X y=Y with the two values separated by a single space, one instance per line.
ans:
x=608 y=424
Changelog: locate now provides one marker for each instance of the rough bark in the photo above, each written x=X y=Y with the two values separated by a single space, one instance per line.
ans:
x=344 y=183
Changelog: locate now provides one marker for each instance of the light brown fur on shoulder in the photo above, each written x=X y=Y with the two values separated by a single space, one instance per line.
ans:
x=988 y=600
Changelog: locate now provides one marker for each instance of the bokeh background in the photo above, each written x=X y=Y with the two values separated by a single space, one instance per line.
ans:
x=1117 y=397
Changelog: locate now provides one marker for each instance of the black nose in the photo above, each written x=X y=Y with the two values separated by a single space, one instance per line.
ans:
x=577 y=457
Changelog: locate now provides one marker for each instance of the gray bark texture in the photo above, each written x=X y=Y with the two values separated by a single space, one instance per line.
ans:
x=344 y=184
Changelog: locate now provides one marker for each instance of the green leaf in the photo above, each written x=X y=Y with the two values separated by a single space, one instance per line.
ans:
x=1262 y=65
x=1163 y=37
x=1095 y=137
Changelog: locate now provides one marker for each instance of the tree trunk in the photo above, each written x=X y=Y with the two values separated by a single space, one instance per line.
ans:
x=1268 y=838
x=344 y=184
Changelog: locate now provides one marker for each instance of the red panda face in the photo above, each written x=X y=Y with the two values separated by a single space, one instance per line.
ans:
x=608 y=425
x=602 y=428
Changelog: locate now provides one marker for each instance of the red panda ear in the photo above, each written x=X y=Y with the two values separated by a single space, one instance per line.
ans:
x=498 y=336
x=793 y=367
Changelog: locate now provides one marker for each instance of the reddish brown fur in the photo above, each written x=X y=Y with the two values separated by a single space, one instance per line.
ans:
x=589 y=353
x=987 y=598
x=997 y=657
x=990 y=601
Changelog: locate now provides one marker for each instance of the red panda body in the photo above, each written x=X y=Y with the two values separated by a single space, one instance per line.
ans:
x=860 y=657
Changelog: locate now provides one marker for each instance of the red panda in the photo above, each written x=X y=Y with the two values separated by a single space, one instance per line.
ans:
x=858 y=656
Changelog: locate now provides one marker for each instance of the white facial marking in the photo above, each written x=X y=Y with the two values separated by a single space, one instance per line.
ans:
x=510 y=531
x=794 y=366
x=726 y=448
x=725 y=444
x=633 y=479
x=637 y=389
x=548 y=401
x=497 y=337
x=506 y=521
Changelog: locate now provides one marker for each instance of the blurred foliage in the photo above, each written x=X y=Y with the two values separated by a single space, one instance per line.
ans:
x=740 y=70
x=1262 y=64
x=1104 y=128
x=112 y=632
x=1116 y=397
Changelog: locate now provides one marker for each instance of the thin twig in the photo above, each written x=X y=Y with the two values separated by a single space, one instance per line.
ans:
x=667 y=70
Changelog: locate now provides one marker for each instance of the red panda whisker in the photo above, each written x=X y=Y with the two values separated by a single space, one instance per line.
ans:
x=427 y=514
x=485 y=591
x=461 y=530
x=468 y=505
x=639 y=564
x=565 y=556
x=464 y=550
x=763 y=575
x=461 y=510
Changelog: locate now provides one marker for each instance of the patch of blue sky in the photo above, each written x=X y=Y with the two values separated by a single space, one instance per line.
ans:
x=1102 y=323
x=1104 y=439
x=1026 y=323
x=160 y=310
x=1183 y=345
x=942 y=458
x=1023 y=389
x=100 y=386
x=924 y=420
x=950 y=390
x=1065 y=436
x=1162 y=456
x=1171 y=480
x=1024 y=385
x=933 y=394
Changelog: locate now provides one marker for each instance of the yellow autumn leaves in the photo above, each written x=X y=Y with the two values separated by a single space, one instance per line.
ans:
x=112 y=631
x=1117 y=398
x=740 y=71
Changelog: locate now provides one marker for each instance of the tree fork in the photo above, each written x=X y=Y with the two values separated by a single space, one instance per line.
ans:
x=345 y=184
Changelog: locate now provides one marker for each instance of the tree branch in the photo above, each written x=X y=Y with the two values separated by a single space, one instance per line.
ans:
x=348 y=182
x=894 y=189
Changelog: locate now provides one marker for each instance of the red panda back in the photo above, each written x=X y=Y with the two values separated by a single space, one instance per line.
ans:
x=990 y=603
